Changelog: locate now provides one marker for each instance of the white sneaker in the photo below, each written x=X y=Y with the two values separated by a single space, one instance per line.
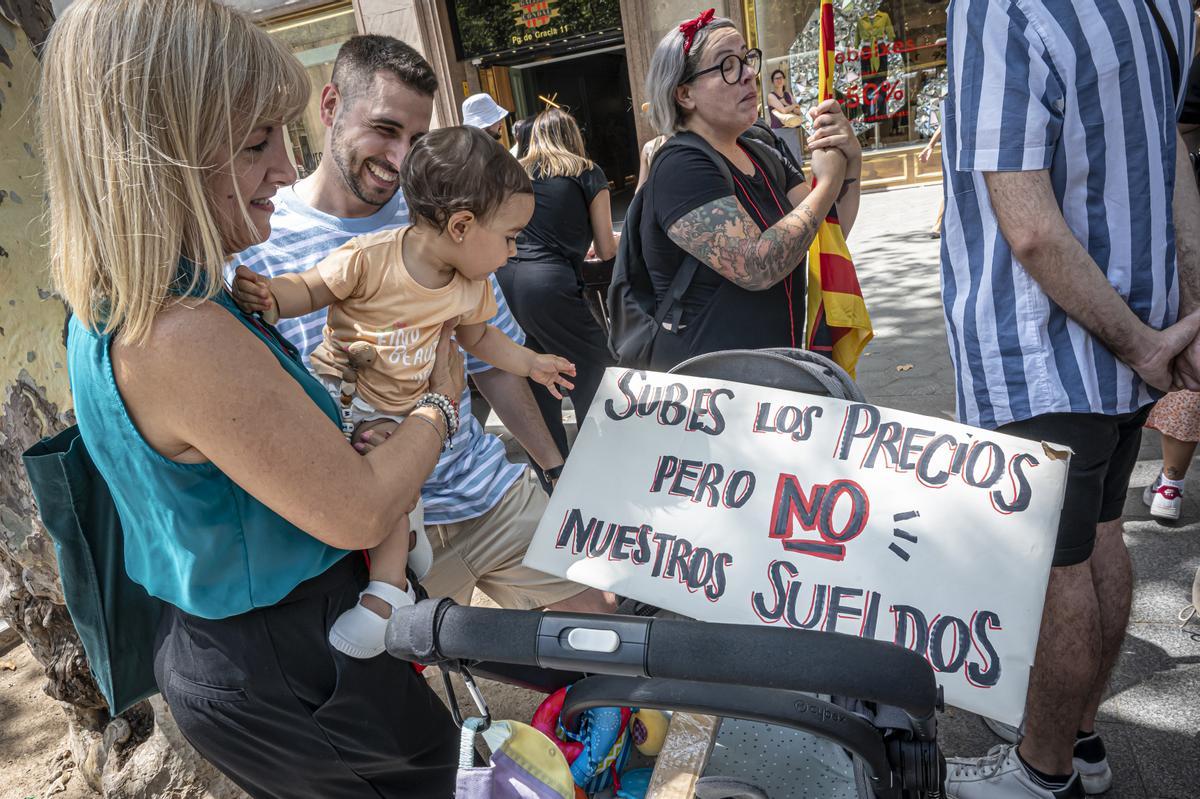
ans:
x=1005 y=732
x=1000 y=775
x=359 y=632
x=1096 y=777
x=1164 y=500
x=420 y=557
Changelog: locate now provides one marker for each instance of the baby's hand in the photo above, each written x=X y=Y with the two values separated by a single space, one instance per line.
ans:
x=371 y=434
x=549 y=370
x=252 y=293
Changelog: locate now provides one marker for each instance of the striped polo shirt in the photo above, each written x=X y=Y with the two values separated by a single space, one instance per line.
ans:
x=1081 y=88
x=471 y=478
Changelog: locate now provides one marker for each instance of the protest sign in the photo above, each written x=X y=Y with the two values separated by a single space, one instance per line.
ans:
x=735 y=503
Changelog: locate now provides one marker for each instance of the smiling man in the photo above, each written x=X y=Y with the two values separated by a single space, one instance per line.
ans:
x=480 y=509
x=378 y=102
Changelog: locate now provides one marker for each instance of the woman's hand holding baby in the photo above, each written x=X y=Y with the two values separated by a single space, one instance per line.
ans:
x=549 y=370
x=448 y=376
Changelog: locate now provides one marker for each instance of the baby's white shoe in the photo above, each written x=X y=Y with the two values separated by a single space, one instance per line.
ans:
x=359 y=632
x=420 y=557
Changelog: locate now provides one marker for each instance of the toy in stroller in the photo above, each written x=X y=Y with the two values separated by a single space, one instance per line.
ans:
x=848 y=716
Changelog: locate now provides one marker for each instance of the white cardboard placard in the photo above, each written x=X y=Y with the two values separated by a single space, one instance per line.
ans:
x=735 y=503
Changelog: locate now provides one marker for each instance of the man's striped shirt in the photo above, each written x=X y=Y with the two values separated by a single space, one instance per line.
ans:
x=1081 y=88
x=472 y=477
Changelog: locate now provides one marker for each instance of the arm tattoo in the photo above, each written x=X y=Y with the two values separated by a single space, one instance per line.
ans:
x=724 y=237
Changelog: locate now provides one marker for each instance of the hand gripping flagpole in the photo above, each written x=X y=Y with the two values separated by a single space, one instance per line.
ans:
x=838 y=325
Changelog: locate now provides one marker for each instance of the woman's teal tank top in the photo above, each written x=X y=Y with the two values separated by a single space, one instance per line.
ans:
x=193 y=537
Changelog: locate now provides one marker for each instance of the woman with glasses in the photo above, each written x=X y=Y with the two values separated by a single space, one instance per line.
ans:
x=749 y=230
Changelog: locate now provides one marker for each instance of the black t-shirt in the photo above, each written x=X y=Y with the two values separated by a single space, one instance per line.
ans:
x=561 y=228
x=684 y=179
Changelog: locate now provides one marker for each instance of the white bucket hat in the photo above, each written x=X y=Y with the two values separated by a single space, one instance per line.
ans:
x=481 y=111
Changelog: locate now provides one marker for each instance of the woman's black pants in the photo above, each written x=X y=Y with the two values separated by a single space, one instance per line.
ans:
x=546 y=299
x=269 y=702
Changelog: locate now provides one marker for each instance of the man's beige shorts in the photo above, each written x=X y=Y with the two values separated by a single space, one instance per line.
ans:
x=487 y=551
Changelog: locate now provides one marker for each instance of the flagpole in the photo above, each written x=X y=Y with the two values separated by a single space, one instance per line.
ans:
x=837 y=322
x=825 y=68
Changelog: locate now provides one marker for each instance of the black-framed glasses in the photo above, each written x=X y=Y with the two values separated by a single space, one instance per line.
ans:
x=731 y=67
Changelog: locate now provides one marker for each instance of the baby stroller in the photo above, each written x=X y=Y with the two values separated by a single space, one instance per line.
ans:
x=809 y=713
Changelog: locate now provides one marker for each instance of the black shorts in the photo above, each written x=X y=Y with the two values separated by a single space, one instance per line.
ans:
x=1106 y=449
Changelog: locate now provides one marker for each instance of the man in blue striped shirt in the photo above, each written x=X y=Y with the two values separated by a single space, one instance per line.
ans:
x=480 y=509
x=1062 y=284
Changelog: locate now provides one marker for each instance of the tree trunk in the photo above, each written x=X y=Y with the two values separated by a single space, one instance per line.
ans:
x=141 y=753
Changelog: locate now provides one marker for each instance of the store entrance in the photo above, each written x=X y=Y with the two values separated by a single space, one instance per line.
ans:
x=594 y=87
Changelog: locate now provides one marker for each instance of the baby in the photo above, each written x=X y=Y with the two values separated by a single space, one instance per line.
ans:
x=390 y=294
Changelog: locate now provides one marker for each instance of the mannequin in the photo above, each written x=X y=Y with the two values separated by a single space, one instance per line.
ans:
x=785 y=114
x=875 y=28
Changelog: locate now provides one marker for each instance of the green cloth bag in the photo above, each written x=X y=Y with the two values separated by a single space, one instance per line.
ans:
x=115 y=618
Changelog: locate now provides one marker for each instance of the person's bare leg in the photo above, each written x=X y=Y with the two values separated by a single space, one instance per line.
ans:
x=1064 y=669
x=1177 y=457
x=1112 y=576
x=390 y=558
x=590 y=600
x=388 y=562
x=360 y=630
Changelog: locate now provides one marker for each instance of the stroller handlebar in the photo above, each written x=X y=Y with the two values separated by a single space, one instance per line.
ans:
x=434 y=631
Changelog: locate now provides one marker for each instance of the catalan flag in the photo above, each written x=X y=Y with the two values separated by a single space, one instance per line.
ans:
x=838 y=324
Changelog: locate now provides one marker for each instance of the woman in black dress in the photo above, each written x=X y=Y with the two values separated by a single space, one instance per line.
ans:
x=543 y=283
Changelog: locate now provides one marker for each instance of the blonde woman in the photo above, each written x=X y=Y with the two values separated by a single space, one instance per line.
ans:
x=647 y=158
x=240 y=499
x=543 y=283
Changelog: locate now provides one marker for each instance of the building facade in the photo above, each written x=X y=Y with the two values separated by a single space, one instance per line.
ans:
x=889 y=73
x=591 y=56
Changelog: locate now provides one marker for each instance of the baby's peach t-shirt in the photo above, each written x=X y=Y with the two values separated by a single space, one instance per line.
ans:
x=380 y=303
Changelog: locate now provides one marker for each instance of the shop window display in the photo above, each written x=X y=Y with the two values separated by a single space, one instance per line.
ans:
x=889 y=66
x=315 y=40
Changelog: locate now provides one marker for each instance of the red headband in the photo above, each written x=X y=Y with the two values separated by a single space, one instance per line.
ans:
x=692 y=26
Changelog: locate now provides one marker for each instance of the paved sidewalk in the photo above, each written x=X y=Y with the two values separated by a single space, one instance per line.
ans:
x=897 y=265
x=1151 y=720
